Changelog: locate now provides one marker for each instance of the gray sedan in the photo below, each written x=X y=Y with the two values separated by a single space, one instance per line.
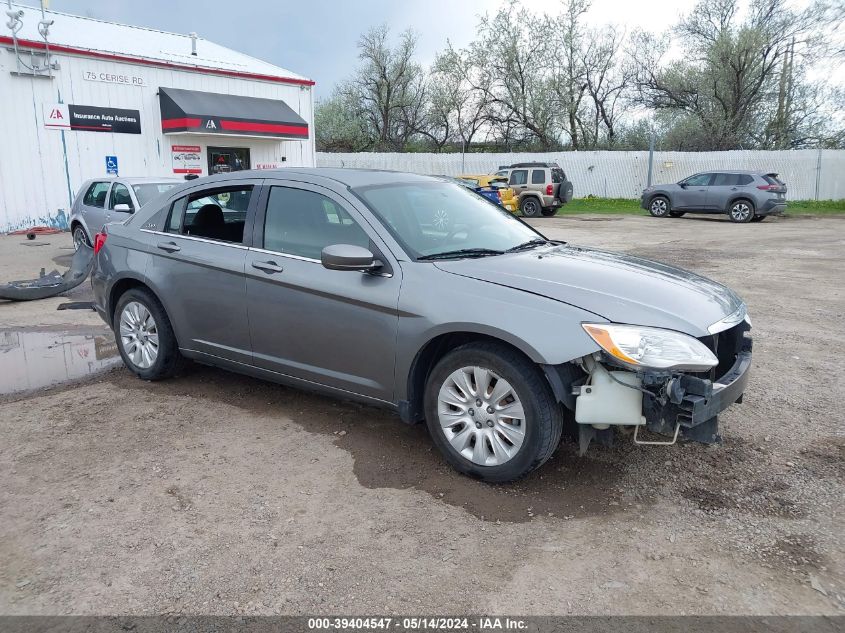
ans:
x=415 y=294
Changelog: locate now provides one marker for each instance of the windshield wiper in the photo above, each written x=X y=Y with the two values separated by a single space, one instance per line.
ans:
x=531 y=244
x=462 y=252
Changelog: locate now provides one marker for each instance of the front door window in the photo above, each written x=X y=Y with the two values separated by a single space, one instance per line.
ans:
x=222 y=160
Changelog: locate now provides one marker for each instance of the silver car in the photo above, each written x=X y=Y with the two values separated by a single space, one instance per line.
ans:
x=745 y=196
x=346 y=282
x=103 y=200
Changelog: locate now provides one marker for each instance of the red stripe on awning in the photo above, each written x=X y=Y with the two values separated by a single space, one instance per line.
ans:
x=179 y=170
x=270 y=128
x=168 y=124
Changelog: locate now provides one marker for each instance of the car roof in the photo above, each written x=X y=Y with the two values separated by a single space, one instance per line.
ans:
x=750 y=172
x=350 y=177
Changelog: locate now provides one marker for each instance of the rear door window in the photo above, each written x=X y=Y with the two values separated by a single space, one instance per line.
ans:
x=725 y=180
x=538 y=176
x=96 y=194
x=215 y=214
x=519 y=177
x=699 y=180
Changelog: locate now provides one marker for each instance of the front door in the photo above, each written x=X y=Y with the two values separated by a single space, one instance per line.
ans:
x=693 y=192
x=222 y=160
x=199 y=260
x=334 y=328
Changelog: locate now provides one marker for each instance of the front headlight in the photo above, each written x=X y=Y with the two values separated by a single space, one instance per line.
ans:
x=651 y=348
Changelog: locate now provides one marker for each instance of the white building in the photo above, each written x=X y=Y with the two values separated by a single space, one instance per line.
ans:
x=93 y=98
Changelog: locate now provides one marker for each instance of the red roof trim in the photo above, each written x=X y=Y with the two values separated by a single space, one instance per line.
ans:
x=58 y=48
x=169 y=124
x=273 y=128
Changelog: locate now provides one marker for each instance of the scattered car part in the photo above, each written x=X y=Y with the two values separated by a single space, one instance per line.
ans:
x=53 y=283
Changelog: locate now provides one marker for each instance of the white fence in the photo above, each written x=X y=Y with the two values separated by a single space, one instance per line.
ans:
x=809 y=174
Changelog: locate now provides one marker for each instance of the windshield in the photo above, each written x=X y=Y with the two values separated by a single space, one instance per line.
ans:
x=150 y=190
x=433 y=218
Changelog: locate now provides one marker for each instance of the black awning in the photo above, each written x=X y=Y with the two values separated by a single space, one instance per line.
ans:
x=213 y=113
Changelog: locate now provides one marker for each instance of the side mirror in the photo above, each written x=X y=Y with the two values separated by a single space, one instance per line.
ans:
x=348 y=257
x=122 y=208
x=682 y=185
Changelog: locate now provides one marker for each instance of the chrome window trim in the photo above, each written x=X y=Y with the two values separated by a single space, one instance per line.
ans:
x=287 y=255
x=195 y=238
x=729 y=321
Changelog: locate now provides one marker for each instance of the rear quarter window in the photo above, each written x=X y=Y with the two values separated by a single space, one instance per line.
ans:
x=745 y=179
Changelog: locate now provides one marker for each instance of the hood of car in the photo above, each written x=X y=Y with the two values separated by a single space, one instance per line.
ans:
x=618 y=287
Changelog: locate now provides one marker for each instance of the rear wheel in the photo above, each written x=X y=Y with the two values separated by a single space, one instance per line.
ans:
x=530 y=207
x=547 y=213
x=659 y=206
x=741 y=211
x=145 y=337
x=491 y=412
x=80 y=237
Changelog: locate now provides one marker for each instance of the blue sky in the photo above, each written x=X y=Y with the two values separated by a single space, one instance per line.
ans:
x=317 y=38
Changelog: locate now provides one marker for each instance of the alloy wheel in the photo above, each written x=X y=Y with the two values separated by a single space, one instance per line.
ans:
x=740 y=212
x=79 y=238
x=139 y=335
x=481 y=416
x=659 y=207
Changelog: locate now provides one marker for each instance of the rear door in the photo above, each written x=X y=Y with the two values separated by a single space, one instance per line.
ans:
x=198 y=267
x=331 y=327
x=93 y=206
x=519 y=181
x=721 y=190
x=693 y=192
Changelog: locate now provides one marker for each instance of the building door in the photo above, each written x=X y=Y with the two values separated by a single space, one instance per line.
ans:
x=222 y=160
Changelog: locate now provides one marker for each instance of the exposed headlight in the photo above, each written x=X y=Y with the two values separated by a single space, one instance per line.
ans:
x=651 y=348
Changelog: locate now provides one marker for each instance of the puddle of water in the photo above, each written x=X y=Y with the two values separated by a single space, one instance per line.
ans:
x=32 y=360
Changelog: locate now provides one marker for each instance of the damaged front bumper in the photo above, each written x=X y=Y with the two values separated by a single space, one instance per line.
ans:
x=53 y=283
x=676 y=404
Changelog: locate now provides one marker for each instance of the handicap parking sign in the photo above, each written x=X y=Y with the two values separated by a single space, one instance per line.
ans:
x=111 y=165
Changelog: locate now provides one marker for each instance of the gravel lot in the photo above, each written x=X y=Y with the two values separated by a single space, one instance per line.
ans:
x=214 y=493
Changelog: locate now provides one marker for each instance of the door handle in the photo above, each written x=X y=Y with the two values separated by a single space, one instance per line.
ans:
x=170 y=247
x=268 y=267
x=733 y=188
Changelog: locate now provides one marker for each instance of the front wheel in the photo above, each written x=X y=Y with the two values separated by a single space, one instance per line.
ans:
x=530 y=207
x=659 y=207
x=491 y=412
x=145 y=338
x=741 y=211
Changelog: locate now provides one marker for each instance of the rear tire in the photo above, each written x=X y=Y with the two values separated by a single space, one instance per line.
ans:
x=484 y=441
x=144 y=336
x=741 y=211
x=530 y=207
x=79 y=237
x=659 y=206
x=547 y=213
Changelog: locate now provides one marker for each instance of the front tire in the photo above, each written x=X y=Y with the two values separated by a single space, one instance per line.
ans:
x=530 y=207
x=515 y=429
x=741 y=211
x=145 y=337
x=659 y=206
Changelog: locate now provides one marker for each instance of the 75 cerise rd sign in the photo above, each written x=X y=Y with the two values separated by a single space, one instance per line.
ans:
x=113 y=78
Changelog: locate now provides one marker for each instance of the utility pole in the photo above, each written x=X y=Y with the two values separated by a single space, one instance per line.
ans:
x=650 y=158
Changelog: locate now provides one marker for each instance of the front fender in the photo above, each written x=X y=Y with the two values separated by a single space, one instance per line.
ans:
x=547 y=331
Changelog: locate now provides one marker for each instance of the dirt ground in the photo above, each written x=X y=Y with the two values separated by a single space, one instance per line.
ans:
x=218 y=494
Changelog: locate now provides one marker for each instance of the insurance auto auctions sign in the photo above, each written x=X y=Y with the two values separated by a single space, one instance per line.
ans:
x=187 y=159
x=66 y=116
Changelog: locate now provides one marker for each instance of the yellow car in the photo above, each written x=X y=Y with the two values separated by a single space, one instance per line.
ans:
x=506 y=195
